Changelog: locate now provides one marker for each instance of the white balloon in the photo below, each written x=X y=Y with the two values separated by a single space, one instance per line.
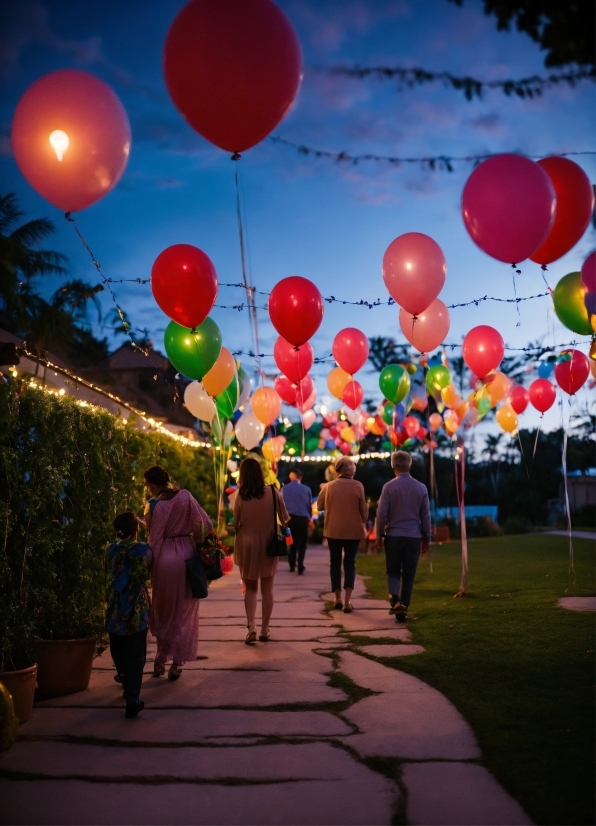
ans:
x=308 y=418
x=232 y=465
x=243 y=398
x=249 y=430
x=199 y=402
x=354 y=415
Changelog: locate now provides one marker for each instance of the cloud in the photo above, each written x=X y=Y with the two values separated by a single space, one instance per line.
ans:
x=490 y=123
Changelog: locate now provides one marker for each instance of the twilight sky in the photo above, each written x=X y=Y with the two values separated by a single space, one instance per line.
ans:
x=326 y=221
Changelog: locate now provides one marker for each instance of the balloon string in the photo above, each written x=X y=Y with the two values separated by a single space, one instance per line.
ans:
x=515 y=295
x=566 y=486
x=460 y=481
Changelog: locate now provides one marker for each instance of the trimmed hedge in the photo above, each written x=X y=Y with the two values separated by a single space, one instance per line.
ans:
x=66 y=471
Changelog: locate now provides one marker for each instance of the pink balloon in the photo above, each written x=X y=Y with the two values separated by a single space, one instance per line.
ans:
x=508 y=206
x=71 y=138
x=304 y=390
x=589 y=273
x=350 y=349
x=429 y=328
x=287 y=391
x=518 y=398
x=294 y=362
x=483 y=349
x=353 y=394
x=308 y=419
x=414 y=271
x=308 y=403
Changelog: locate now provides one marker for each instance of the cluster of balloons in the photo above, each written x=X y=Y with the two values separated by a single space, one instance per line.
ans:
x=350 y=351
x=514 y=208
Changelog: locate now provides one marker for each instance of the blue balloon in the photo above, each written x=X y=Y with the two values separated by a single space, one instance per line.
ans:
x=330 y=444
x=236 y=416
x=545 y=369
x=435 y=361
x=400 y=413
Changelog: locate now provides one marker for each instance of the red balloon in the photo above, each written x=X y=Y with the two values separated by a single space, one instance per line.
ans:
x=572 y=374
x=353 y=394
x=542 y=394
x=589 y=273
x=184 y=284
x=71 y=139
x=508 y=206
x=518 y=398
x=350 y=349
x=483 y=350
x=414 y=271
x=296 y=309
x=428 y=329
x=345 y=448
x=304 y=390
x=293 y=362
x=411 y=425
x=286 y=390
x=422 y=433
x=233 y=69
x=575 y=204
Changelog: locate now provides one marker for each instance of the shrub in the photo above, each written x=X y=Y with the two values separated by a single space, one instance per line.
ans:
x=517 y=524
x=67 y=470
x=483 y=526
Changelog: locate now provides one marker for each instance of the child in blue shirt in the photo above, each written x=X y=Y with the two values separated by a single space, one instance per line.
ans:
x=128 y=608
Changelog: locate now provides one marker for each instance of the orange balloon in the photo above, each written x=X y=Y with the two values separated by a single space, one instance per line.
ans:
x=593 y=366
x=461 y=409
x=435 y=421
x=451 y=422
x=450 y=396
x=499 y=387
x=273 y=448
x=221 y=374
x=507 y=418
x=266 y=404
x=337 y=381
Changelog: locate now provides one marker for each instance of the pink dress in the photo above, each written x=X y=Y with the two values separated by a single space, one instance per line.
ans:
x=174 y=615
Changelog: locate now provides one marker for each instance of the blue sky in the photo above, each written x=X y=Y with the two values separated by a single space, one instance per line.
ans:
x=328 y=222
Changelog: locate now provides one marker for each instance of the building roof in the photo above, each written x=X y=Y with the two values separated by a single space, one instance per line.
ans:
x=126 y=357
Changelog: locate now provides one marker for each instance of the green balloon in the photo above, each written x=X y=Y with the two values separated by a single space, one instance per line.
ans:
x=226 y=401
x=394 y=382
x=437 y=378
x=387 y=414
x=568 y=298
x=311 y=444
x=241 y=379
x=193 y=353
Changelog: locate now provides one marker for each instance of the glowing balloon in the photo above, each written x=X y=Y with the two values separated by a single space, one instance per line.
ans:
x=542 y=394
x=336 y=382
x=221 y=374
x=483 y=349
x=435 y=421
x=499 y=387
x=184 y=284
x=232 y=69
x=414 y=271
x=589 y=273
x=350 y=349
x=296 y=309
x=287 y=391
x=572 y=369
x=293 y=362
x=519 y=398
x=199 y=402
x=506 y=418
x=394 y=382
x=508 y=206
x=429 y=329
x=570 y=307
x=193 y=353
x=266 y=405
x=353 y=394
x=249 y=430
x=575 y=204
x=71 y=138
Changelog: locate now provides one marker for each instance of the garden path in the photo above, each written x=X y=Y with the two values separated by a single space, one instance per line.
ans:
x=308 y=728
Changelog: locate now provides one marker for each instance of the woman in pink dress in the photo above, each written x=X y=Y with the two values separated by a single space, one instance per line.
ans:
x=174 y=520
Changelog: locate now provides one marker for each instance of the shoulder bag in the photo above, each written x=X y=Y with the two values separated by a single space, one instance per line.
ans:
x=277 y=546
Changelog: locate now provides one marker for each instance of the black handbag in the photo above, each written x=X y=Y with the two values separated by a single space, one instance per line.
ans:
x=277 y=546
x=196 y=577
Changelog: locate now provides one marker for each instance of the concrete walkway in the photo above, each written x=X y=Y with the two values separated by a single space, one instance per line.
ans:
x=306 y=729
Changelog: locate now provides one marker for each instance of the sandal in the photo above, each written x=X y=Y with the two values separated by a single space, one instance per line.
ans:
x=265 y=637
x=159 y=669
x=337 y=606
x=348 y=608
x=251 y=637
x=174 y=672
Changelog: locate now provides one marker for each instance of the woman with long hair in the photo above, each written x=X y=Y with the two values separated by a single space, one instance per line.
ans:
x=255 y=528
x=175 y=521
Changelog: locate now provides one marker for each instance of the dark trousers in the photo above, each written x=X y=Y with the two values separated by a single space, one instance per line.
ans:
x=401 y=555
x=349 y=547
x=129 y=652
x=299 y=528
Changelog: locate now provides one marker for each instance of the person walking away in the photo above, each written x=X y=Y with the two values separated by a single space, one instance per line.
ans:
x=128 y=608
x=298 y=502
x=345 y=526
x=403 y=525
x=176 y=523
x=255 y=528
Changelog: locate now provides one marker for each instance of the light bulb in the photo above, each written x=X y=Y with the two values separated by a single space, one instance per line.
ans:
x=59 y=141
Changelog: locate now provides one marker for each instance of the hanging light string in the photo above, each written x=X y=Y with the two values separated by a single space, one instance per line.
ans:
x=436 y=162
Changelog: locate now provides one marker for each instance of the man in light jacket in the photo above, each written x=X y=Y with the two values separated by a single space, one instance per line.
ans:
x=403 y=526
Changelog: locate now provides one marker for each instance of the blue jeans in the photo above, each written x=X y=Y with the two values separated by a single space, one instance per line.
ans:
x=350 y=549
x=401 y=556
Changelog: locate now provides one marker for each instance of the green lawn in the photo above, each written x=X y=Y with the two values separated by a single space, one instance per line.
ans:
x=519 y=669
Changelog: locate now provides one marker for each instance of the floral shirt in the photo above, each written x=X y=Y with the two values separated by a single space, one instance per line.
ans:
x=128 y=605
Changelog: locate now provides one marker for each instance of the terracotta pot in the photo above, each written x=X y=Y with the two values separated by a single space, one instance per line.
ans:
x=21 y=685
x=64 y=666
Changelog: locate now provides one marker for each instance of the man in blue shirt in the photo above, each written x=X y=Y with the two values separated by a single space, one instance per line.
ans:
x=298 y=501
x=403 y=525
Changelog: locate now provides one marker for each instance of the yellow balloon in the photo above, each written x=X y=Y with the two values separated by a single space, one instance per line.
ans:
x=451 y=421
x=336 y=382
x=221 y=374
x=273 y=448
x=450 y=396
x=266 y=404
x=507 y=418
x=499 y=387
x=348 y=435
